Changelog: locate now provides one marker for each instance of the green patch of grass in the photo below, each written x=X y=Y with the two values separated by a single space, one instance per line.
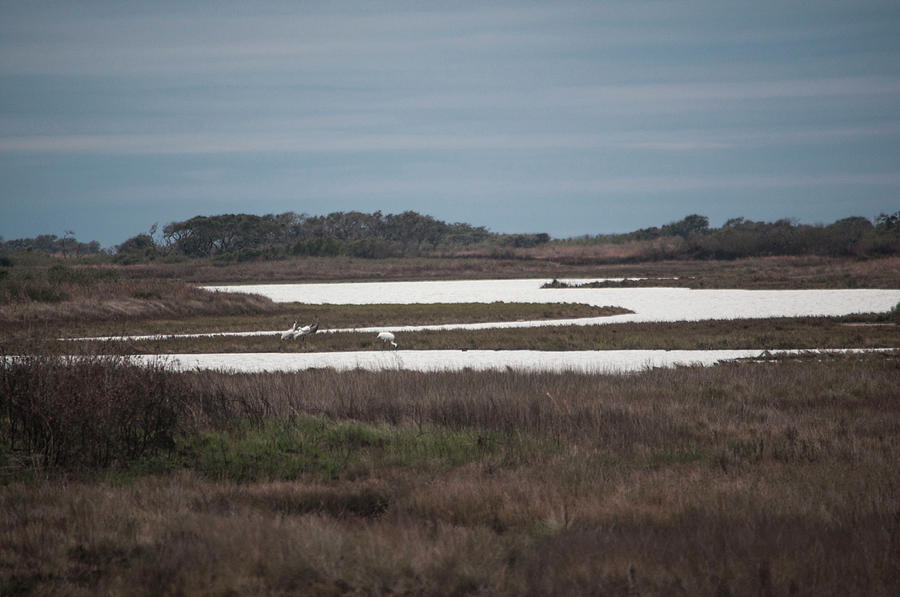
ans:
x=274 y=450
x=290 y=448
x=444 y=449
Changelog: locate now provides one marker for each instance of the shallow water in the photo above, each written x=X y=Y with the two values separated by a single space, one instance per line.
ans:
x=648 y=304
x=588 y=361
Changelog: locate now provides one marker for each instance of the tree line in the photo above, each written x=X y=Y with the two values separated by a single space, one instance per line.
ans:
x=52 y=245
x=247 y=237
x=243 y=237
x=740 y=237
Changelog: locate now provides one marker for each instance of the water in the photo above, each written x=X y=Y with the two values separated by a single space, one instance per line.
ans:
x=648 y=304
x=586 y=361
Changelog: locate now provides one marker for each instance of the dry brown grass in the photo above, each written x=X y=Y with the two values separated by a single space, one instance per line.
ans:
x=771 y=478
x=95 y=411
x=746 y=479
x=127 y=300
x=61 y=295
x=588 y=254
x=552 y=261
x=555 y=262
x=778 y=333
x=343 y=316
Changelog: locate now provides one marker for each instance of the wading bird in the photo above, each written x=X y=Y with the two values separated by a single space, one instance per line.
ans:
x=290 y=333
x=307 y=330
x=386 y=337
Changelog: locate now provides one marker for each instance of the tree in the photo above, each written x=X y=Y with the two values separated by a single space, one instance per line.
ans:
x=137 y=244
x=887 y=223
x=850 y=236
x=690 y=226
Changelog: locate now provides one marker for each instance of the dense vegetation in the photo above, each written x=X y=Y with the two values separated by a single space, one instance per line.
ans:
x=51 y=244
x=773 y=477
x=859 y=331
x=242 y=237
x=770 y=478
x=740 y=238
x=68 y=298
x=245 y=237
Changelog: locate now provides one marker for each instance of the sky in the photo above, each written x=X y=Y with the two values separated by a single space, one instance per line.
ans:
x=563 y=117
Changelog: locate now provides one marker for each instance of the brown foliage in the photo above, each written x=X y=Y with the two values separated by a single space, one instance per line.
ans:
x=127 y=300
x=548 y=261
x=87 y=411
x=742 y=479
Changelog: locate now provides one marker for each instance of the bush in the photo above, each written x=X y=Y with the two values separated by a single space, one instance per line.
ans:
x=368 y=248
x=88 y=411
x=55 y=284
x=83 y=276
x=45 y=294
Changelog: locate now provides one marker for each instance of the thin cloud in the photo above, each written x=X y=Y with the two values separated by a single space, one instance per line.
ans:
x=317 y=140
x=553 y=109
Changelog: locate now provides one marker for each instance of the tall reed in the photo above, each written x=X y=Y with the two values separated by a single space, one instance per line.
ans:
x=88 y=411
x=772 y=478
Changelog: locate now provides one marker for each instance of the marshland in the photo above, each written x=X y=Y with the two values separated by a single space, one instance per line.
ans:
x=419 y=298
x=770 y=476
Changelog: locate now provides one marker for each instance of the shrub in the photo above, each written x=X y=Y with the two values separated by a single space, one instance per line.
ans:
x=83 y=276
x=45 y=294
x=88 y=411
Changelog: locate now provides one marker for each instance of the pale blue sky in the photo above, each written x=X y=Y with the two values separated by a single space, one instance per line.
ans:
x=561 y=117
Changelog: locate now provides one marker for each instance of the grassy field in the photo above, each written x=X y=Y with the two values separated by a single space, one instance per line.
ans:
x=561 y=262
x=547 y=262
x=28 y=333
x=748 y=478
x=779 y=333
x=744 y=479
x=73 y=296
x=350 y=316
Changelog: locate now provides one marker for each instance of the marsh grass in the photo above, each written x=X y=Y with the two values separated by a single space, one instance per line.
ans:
x=67 y=281
x=90 y=412
x=555 y=262
x=281 y=315
x=742 y=479
x=288 y=448
x=112 y=298
x=769 y=478
x=777 y=333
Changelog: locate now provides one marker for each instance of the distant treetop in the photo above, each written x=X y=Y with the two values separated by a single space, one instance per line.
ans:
x=242 y=237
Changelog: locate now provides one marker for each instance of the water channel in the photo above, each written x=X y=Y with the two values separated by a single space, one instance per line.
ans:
x=649 y=304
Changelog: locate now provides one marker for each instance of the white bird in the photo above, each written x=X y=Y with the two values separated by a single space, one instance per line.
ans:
x=386 y=337
x=307 y=330
x=290 y=333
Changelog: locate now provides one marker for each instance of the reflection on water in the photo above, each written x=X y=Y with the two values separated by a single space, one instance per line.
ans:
x=648 y=304
x=588 y=361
